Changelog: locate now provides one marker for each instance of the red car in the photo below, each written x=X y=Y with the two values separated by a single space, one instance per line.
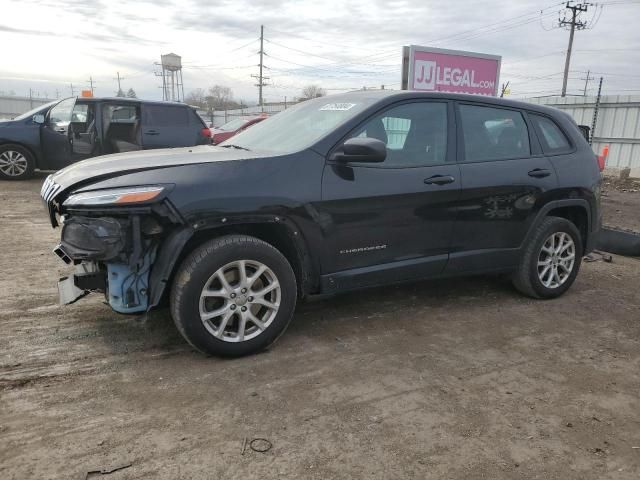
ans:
x=229 y=129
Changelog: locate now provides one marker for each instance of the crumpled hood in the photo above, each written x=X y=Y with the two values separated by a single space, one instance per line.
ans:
x=109 y=166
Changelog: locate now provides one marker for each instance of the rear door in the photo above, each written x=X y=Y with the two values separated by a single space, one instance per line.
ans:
x=166 y=126
x=392 y=221
x=505 y=180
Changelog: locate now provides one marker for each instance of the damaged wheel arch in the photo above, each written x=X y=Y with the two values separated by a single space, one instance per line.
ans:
x=279 y=232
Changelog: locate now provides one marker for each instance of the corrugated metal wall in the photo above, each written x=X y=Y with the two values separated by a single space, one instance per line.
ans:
x=11 y=106
x=618 y=124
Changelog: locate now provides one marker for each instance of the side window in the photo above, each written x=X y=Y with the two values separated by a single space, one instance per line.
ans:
x=165 y=116
x=120 y=113
x=415 y=134
x=493 y=134
x=60 y=115
x=552 y=138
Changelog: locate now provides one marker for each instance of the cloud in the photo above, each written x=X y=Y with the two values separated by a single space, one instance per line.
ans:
x=335 y=43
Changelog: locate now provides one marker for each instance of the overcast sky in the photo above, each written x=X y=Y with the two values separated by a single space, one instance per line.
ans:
x=49 y=44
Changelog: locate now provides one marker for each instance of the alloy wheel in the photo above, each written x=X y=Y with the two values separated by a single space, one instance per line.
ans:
x=240 y=300
x=12 y=163
x=556 y=259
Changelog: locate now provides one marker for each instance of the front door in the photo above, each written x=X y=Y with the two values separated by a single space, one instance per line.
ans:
x=55 y=136
x=392 y=221
x=505 y=179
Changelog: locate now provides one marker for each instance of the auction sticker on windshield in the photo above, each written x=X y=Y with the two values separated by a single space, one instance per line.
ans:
x=338 y=106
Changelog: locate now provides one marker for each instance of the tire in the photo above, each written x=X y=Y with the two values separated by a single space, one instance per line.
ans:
x=222 y=258
x=16 y=162
x=531 y=278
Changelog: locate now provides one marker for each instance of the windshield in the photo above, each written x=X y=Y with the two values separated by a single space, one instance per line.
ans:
x=300 y=126
x=33 y=111
x=233 y=125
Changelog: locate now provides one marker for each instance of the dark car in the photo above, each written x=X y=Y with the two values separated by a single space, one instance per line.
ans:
x=58 y=134
x=374 y=188
x=229 y=129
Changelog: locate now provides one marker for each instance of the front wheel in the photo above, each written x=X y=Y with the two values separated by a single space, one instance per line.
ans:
x=233 y=296
x=16 y=162
x=551 y=259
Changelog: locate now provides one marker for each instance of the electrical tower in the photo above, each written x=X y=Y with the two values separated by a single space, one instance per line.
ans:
x=260 y=77
x=573 y=23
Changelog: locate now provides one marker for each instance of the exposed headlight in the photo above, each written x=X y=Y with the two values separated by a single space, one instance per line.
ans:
x=114 y=196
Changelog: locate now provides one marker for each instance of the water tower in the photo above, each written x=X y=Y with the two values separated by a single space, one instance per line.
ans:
x=172 y=87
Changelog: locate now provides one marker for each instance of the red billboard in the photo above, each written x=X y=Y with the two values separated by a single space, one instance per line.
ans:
x=438 y=70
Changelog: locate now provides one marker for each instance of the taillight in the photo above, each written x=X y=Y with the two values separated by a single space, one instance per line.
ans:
x=205 y=132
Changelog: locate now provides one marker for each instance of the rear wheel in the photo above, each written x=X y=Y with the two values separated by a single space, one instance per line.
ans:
x=551 y=260
x=233 y=296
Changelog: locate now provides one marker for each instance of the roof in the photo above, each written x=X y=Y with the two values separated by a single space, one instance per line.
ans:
x=130 y=100
x=409 y=94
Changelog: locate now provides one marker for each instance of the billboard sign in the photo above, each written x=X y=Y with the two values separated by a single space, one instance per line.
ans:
x=439 y=70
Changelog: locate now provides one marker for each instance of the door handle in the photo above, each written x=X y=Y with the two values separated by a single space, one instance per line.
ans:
x=439 y=180
x=152 y=132
x=539 y=173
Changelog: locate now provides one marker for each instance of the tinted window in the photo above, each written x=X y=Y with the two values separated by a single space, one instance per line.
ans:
x=493 y=133
x=552 y=138
x=415 y=134
x=120 y=113
x=165 y=116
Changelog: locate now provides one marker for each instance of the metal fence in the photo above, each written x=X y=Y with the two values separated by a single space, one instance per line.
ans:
x=618 y=125
x=12 y=106
x=218 y=118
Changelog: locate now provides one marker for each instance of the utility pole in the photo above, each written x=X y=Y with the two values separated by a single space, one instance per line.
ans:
x=260 y=77
x=586 y=82
x=595 y=113
x=504 y=88
x=573 y=24
x=91 y=84
x=30 y=99
x=72 y=89
x=119 y=78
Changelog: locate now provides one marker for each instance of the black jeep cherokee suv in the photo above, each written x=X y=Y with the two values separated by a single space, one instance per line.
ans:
x=334 y=194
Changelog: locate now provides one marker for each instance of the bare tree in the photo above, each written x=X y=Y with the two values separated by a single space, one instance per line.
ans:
x=217 y=97
x=197 y=98
x=313 y=91
x=220 y=97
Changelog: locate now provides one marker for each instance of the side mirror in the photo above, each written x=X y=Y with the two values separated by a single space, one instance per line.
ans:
x=586 y=131
x=362 y=149
x=39 y=118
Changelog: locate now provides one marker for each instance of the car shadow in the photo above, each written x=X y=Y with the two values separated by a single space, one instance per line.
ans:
x=155 y=331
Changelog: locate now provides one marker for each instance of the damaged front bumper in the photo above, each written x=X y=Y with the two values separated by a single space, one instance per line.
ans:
x=110 y=255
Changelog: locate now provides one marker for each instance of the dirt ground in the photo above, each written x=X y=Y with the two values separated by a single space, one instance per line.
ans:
x=458 y=379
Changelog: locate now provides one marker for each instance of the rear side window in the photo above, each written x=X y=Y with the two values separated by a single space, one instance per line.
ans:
x=493 y=134
x=165 y=116
x=552 y=138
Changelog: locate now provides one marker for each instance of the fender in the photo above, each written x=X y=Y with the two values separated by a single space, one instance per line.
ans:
x=173 y=248
x=165 y=262
x=569 y=202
